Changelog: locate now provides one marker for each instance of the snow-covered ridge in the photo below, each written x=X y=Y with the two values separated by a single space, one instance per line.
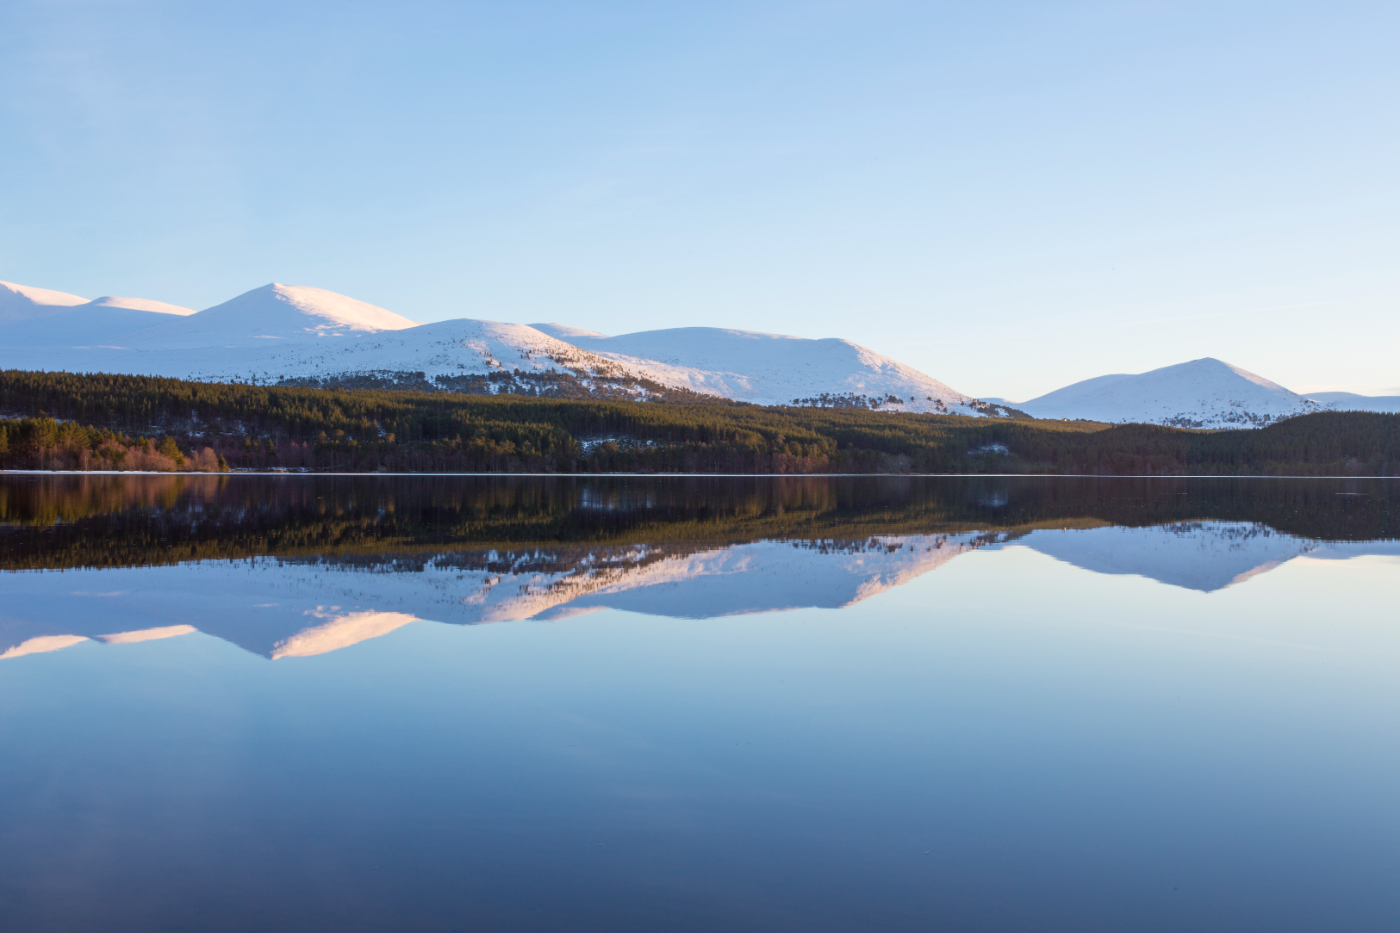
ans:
x=139 y=304
x=770 y=369
x=22 y=302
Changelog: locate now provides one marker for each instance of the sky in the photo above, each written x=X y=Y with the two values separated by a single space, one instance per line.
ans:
x=1009 y=196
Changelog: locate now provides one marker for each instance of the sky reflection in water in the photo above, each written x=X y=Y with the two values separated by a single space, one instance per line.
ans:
x=988 y=704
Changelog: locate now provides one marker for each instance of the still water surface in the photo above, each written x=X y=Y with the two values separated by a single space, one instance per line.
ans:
x=258 y=703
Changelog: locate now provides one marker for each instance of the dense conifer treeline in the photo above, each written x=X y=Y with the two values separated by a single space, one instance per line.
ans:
x=67 y=421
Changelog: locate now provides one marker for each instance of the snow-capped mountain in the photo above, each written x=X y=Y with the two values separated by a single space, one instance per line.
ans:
x=281 y=332
x=1206 y=393
x=273 y=314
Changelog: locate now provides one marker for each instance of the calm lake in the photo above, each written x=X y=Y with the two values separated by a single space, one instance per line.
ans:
x=233 y=703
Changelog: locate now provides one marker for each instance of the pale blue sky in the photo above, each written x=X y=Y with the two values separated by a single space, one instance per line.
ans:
x=1008 y=196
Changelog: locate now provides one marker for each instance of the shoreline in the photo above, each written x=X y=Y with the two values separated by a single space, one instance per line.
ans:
x=308 y=473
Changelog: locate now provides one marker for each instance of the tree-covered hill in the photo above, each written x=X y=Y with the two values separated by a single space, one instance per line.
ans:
x=68 y=421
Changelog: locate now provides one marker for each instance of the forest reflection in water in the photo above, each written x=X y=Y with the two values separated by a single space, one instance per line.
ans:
x=292 y=566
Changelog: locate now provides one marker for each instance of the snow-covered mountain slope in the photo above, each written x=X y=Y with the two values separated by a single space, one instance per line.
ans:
x=1204 y=393
x=444 y=351
x=1348 y=401
x=770 y=369
x=446 y=348
x=103 y=322
x=71 y=333
x=22 y=302
x=69 y=321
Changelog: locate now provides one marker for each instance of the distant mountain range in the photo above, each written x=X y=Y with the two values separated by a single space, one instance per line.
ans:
x=1350 y=401
x=301 y=335
x=281 y=333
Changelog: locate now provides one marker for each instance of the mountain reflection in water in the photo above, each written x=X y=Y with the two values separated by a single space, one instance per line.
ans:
x=298 y=566
x=1020 y=704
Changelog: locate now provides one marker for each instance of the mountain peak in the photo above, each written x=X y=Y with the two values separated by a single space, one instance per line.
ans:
x=276 y=313
x=336 y=309
x=1210 y=363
